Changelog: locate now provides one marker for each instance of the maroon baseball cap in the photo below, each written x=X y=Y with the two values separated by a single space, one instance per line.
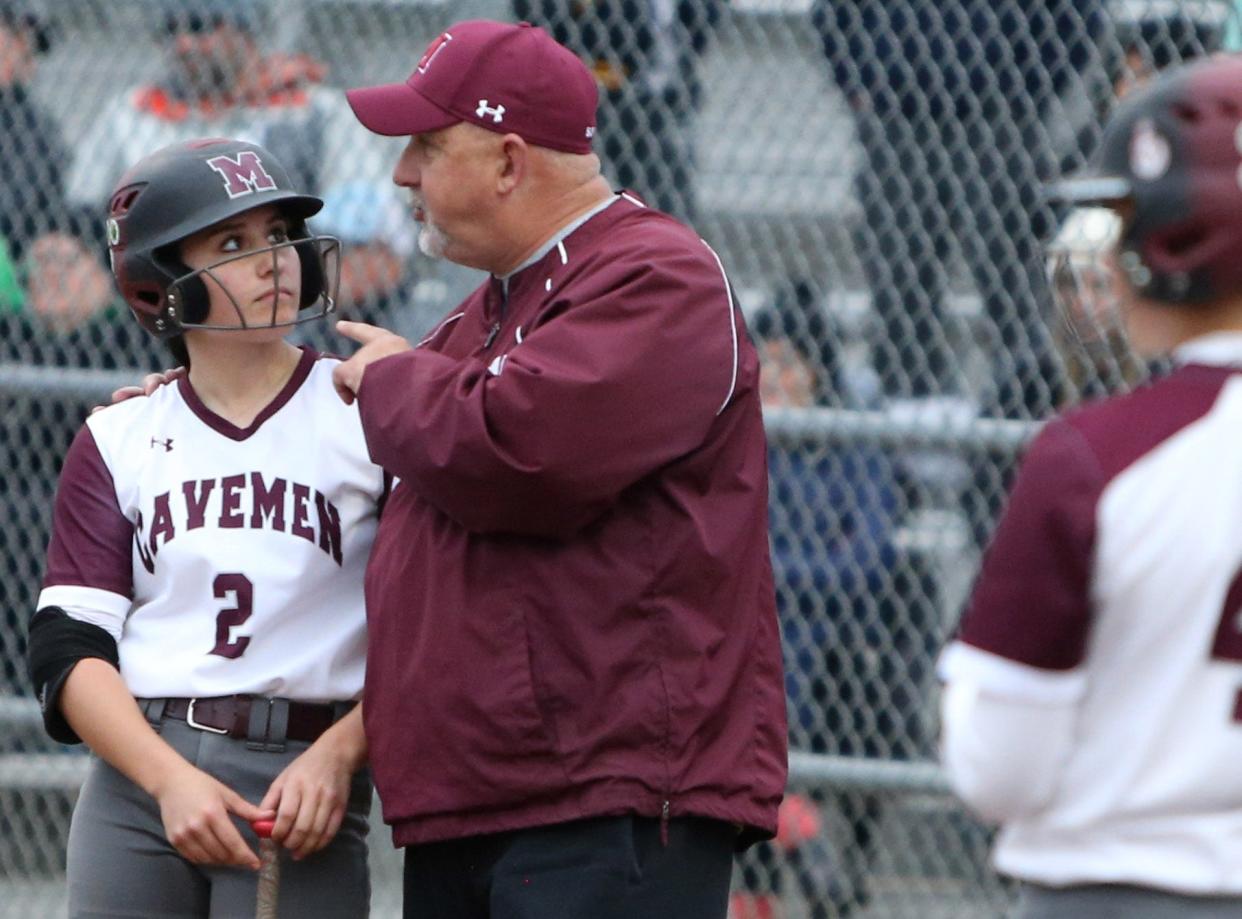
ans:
x=500 y=76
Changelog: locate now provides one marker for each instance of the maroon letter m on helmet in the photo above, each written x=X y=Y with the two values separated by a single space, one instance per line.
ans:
x=243 y=175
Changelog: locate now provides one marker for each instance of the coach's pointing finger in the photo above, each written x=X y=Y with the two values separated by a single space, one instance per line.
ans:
x=362 y=332
x=376 y=343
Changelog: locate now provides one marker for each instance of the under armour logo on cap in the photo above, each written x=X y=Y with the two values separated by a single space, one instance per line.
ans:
x=497 y=113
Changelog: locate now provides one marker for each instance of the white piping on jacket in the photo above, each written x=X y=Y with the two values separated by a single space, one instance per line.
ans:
x=732 y=326
x=437 y=329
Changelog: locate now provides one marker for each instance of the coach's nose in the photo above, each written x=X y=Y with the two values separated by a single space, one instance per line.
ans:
x=406 y=174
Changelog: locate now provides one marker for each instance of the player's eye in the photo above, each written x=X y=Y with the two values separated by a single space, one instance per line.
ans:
x=277 y=235
x=231 y=243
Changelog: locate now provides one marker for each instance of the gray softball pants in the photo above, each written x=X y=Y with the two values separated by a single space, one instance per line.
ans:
x=121 y=865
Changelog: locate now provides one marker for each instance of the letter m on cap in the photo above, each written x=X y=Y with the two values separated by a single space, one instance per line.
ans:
x=438 y=44
x=242 y=175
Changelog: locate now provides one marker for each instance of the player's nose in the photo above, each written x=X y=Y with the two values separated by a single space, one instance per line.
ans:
x=273 y=261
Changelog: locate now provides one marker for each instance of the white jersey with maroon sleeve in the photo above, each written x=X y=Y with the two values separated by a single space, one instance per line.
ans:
x=223 y=560
x=1114 y=585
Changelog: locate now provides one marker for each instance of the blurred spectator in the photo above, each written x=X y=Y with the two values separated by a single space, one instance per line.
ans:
x=36 y=321
x=857 y=617
x=219 y=82
x=952 y=100
x=32 y=200
x=645 y=55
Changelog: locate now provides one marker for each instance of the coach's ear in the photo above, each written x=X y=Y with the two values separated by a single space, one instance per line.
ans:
x=150 y=383
x=513 y=164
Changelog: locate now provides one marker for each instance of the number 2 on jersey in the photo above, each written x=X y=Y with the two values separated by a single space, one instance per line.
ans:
x=1227 y=646
x=231 y=617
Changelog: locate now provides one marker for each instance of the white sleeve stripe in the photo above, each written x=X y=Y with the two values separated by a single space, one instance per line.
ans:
x=732 y=326
x=89 y=604
x=966 y=664
x=632 y=199
x=436 y=330
x=560 y=247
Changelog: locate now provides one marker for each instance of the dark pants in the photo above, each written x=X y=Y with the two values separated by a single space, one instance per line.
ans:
x=603 y=868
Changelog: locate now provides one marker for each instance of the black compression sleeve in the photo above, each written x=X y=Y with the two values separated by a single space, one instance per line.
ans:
x=55 y=644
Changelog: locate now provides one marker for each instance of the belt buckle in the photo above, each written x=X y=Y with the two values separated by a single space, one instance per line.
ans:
x=189 y=719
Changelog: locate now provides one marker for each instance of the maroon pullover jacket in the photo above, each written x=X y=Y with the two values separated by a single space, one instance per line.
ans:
x=570 y=599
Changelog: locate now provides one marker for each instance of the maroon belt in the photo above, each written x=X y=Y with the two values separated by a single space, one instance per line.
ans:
x=252 y=717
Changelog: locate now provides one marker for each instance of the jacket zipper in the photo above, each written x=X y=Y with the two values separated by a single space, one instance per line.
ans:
x=491 y=335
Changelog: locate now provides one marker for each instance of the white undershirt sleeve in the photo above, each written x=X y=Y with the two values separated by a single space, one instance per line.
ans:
x=1003 y=755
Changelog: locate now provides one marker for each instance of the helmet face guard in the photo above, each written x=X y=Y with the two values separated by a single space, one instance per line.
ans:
x=1090 y=295
x=1083 y=274
x=187 y=299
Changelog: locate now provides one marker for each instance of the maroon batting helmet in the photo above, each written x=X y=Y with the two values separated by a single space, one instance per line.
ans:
x=186 y=187
x=1170 y=159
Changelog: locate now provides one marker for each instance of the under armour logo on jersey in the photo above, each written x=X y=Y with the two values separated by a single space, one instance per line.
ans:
x=497 y=113
x=244 y=175
x=166 y=444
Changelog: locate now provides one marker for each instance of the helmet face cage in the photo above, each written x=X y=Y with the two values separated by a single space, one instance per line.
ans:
x=1082 y=273
x=1089 y=290
x=187 y=300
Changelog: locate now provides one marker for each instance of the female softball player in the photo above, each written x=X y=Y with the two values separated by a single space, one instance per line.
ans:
x=1093 y=698
x=201 y=621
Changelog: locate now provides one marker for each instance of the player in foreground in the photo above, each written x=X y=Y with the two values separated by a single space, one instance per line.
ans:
x=1093 y=704
x=201 y=623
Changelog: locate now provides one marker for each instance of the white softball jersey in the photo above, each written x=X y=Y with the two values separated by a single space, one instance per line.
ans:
x=222 y=560
x=1113 y=590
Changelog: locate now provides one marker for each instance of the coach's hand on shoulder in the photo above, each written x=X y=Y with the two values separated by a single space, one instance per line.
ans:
x=195 y=809
x=311 y=795
x=376 y=343
x=150 y=383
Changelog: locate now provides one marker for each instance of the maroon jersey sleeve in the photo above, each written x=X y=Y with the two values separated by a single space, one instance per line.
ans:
x=630 y=375
x=1031 y=603
x=91 y=539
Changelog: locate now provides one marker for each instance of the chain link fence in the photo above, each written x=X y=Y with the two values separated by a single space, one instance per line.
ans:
x=870 y=172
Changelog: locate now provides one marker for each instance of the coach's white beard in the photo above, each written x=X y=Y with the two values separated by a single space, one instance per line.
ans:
x=431 y=239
